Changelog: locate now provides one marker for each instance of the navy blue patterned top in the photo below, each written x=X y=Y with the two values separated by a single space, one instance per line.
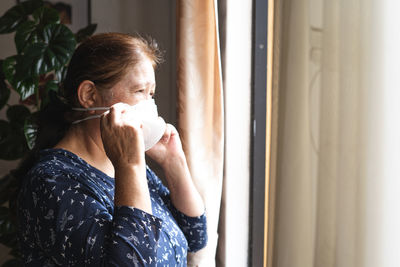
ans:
x=67 y=218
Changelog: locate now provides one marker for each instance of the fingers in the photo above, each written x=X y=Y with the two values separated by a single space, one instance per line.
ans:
x=122 y=137
x=169 y=132
x=117 y=111
x=121 y=114
x=173 y=130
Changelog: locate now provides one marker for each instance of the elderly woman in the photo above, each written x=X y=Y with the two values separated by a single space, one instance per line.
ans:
x=89 y=198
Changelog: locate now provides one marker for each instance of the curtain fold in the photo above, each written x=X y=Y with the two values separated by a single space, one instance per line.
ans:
x=200 y=110
x=335 y=183
x=234 y=223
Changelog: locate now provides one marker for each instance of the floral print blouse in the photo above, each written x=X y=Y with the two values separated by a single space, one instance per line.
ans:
x=67 y=218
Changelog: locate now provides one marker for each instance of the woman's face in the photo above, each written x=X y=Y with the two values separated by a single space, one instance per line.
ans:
x=139 y=84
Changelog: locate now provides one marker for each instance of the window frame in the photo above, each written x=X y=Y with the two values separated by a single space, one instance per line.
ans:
x=258 y=208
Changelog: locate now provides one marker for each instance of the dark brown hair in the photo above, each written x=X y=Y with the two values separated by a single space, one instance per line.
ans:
x=105 y=59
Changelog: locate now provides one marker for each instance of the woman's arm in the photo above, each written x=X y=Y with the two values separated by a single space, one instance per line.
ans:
x=194 y=228
x=123 y=143
x=131 y=187
x=184 y=195
x=169 y=155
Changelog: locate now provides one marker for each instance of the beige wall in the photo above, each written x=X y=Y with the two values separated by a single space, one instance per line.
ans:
x=156 y=19
x=151 y=17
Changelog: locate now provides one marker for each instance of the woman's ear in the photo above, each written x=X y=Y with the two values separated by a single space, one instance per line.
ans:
x=88 y=95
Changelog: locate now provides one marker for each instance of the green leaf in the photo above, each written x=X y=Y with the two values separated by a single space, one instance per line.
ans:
x=45 y=15
x=4 y=90
x=61 y=73
x=51 y=54
x=26 y=34
x=61 y=42
x=4 y=93
x=9 y=187
x=50 y=86
x=8 y=229
x=23 y=83
x=31 y=63
x=17 y=15
x=17 y=115
x=12 y=141
x=82 y=34
x=4 y=215
x=9 y=68
x=5 y=184
x=27 y=87
x=30 y=132
x=5 y=130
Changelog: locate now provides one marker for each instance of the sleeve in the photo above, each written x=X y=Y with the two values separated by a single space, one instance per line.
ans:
x=74 y=228
x=194 y=228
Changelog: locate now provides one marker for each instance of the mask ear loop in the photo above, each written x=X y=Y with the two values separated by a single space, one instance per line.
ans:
x=88 y=109
x=92 y=116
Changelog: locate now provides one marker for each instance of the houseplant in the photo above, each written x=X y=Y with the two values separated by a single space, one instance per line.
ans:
x=44 y=47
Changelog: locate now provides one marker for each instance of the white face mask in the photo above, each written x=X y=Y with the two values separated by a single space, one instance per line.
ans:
x=153 y=126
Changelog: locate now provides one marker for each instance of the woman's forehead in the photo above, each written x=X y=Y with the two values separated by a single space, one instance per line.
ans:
x=141 y=74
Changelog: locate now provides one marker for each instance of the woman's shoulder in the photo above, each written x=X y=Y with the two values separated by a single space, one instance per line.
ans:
x=48 y=178
x=55 y=162
x=56 y=166
x=60 y=176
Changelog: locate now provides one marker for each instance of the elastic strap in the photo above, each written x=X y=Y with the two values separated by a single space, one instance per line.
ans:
x=95 y=108
x=88 y=118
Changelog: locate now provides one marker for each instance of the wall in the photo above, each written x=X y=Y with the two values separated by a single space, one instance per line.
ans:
x=150 y=17
x=153 y=18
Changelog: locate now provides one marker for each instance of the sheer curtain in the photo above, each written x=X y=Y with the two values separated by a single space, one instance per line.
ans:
x=337 y=179
x=236 y=44
x=200 y=110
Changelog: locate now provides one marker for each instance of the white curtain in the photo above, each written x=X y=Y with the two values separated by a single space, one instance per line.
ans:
x=338 y=157
x=233 y=228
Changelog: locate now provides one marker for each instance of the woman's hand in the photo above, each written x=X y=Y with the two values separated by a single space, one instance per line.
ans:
x=169 y=154
x=168 y=149
x=122 y=136
x=123 y=143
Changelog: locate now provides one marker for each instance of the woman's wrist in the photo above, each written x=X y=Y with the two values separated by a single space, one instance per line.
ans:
x=129 y=162
x=131 y=175
x=126 y=167
x=184 y=194
x=131 y=187
x=174 y=164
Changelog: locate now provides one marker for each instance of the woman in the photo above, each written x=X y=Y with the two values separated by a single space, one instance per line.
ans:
x=89 y=198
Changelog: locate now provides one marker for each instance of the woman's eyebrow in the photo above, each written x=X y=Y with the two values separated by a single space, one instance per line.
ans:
x=141 y=85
